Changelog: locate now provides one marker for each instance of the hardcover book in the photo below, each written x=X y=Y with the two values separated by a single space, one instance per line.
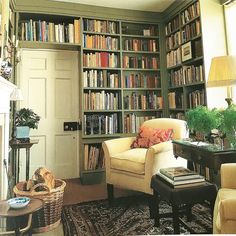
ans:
x=179 y=173
x=182 y=183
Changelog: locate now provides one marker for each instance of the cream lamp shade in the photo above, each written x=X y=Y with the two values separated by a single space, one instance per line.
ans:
x=16 y=95
x=223 y=73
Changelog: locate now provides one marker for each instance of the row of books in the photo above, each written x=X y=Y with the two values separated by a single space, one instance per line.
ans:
x=190 y=13
x=145 y=31
x=150 y=100
x=141 y=45
x=140 y=80
x=106 y=79
x=132 y=122
x=186 y=75
x=172 y=25
x=101 y=101
x=43 y=31
x=177 y=115
x=101 y=42
x=140 y=62
x=101 y=124
x=100 y=59
x=180 y=177
x=176 y=78
x=101 y=26
x=175 y=100
x=192 y=74
x=100 y=79
x=196 y=98
x=173 y=41
x=191 y=30
x=93 y=157
x=174 y=57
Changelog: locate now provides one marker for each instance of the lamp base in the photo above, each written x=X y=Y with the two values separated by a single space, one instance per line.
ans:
x=229 y=101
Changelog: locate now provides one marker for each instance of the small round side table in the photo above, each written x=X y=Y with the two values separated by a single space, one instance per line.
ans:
x=15 y=214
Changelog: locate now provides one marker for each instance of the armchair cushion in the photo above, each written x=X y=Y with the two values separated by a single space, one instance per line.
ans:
x=132 y=160
x=149 y=136
x=226 y=211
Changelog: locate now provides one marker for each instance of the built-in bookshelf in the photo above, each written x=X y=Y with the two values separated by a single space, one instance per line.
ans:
x=101 y=77
x=121 y=79
x=185 y=64
x=141 y=81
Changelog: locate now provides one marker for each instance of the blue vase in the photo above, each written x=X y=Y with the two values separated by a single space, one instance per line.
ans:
x=22 y=132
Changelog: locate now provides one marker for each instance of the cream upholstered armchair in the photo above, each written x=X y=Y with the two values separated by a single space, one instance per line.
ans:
x=224 y=219
x=132 y=168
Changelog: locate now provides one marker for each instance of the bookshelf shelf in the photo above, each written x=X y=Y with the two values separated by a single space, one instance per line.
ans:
x=100 y=50
x=140 y=52
x=98 y=33
x=141 y=89
x=106 y=136
x=49 y=45
x=101 y=111
x=139 y=36
x=139 y=69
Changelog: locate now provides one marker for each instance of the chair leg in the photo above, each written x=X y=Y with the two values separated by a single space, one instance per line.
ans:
x=110 y=193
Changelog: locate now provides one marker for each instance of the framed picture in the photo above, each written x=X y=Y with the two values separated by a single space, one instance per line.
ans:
x=186 y=51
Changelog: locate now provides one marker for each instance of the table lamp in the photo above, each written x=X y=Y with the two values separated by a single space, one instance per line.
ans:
x=16 y=95
x=223 y=74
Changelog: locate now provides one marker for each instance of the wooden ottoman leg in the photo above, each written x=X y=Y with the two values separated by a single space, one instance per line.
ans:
x=110 y=193
x=155 y=208
x=151 y=204
x=175 y=210
x=189 y=212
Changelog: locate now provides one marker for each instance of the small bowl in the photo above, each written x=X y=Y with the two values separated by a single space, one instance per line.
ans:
x=18 y=202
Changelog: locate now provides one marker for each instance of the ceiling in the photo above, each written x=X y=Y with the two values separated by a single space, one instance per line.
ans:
x=141 y=5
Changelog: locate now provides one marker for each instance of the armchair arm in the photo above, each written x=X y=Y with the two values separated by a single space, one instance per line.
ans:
x=162 y=147
x=227 y=208
x=228 y=175
x=117 y=145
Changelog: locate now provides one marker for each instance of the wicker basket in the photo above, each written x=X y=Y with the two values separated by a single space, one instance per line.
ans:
x=48 y=217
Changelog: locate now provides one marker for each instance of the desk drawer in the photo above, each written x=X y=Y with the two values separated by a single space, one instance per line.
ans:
x=182 y=152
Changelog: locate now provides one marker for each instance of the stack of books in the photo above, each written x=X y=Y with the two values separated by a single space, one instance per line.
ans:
x=180 y=177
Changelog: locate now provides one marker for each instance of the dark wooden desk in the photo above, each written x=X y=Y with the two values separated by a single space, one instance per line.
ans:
x=16 y=146
x=16 y=214
x=210 y=155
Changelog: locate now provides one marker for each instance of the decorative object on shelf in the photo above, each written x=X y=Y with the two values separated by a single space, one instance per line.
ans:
x=203 y=120
x=186 y=51
x=16 y=95
x=11 y=50
x=25 y=120
x=5 y=69
x=222 y=74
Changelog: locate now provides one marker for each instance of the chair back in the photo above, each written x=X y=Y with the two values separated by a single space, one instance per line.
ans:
x=179 y=126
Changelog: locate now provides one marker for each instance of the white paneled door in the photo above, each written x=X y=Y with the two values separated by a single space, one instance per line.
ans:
x=49 y=83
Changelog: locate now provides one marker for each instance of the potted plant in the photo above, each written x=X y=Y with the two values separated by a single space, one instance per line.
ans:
x=228 y=126
x=203 y=120
x=25 y=120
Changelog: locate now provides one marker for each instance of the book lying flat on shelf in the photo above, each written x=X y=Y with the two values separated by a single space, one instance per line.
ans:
x=182 y=183
x=179 y=173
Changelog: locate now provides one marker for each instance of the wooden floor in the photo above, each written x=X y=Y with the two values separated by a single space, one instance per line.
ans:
x=75 y=192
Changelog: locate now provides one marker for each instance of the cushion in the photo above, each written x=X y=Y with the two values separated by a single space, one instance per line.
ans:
x=149 y=136
x=132 y=160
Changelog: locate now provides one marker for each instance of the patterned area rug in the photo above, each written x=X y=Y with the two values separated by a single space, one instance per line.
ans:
x=128 y=216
